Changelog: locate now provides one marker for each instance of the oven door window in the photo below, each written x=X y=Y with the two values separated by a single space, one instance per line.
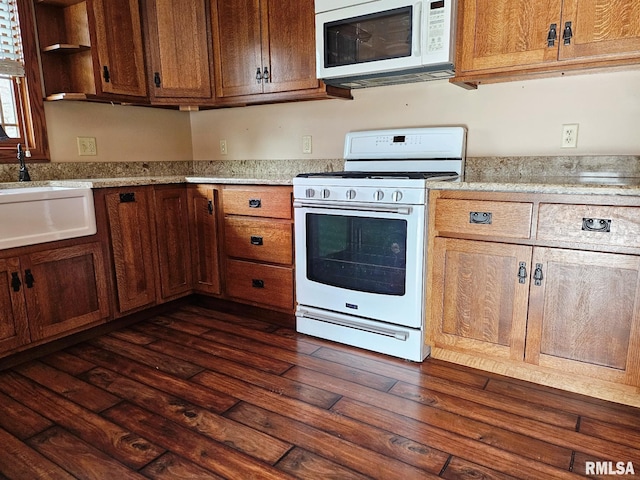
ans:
x=378 y=36
x=357 y=253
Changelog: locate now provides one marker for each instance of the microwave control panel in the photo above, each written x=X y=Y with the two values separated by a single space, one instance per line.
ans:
x=436 y=26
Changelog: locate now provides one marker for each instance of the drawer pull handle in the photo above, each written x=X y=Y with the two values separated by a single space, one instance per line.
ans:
x=255 y=283
x=537 y=275
x=481 y=218
x=127 y=197
x=522 y=272
x=255 y=203
x=256 y=240
x=596 y=225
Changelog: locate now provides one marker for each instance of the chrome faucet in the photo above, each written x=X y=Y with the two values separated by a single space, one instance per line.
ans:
x=23 y=175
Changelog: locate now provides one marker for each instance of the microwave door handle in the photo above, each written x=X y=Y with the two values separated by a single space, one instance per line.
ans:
x=417 y=29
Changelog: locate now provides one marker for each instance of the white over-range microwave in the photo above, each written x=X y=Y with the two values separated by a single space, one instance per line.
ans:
x=362 y=43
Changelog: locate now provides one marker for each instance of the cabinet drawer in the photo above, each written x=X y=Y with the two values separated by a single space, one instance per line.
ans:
x=257 y=283
x=274 y=202
x=483 y=217
x=591 y=224
x=256 y=239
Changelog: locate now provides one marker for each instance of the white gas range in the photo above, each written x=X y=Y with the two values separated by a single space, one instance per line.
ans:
x=360 y=238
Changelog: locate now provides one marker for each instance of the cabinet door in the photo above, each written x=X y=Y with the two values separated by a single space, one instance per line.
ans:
x=608 y=29
x=133 y=248
x=14 y=330
x=178 y=48
x=288 y=45
x=65 y=288
x=584 y=315
x=117 y=41
x=478 y=304
x=203 y=206
x=237 y=45
x=174 y=249
x=506 y=33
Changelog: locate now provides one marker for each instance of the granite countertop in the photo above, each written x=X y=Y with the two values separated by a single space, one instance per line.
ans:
x=585 y=184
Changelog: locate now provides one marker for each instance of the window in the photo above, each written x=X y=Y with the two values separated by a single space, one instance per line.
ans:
x=21 y=103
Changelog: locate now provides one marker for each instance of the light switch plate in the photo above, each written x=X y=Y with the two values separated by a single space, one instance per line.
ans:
x=87 y=146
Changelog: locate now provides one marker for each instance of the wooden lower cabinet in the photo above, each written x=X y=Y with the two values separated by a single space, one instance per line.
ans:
x=51 y=292
x=584 y=315
x=546 y=308
x=482 y=307
x=205 y=244
x=132 y=246
x=14 y=327
x=65 y=288
x=258 y=246
x=171 y=210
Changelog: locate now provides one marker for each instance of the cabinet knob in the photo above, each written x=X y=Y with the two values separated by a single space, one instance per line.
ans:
x=265 y=75
x=255 y=203
x=522 y=272
x=258 y=75
x=256 y=240
x=105 y=74
x=482 y=218
x=602 y=225
x=256 y=283
x=156 y=79
x=28 y=278
x=537 y=275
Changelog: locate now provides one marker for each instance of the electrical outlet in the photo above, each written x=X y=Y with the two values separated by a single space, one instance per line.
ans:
x=569 y=136
x=306 y=144
x=87 y=146
x=223 y=147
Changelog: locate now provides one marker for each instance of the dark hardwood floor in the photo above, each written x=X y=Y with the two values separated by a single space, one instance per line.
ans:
x=197 y=394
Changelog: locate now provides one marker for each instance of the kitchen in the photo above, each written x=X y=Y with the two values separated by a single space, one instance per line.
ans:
x=504 y=121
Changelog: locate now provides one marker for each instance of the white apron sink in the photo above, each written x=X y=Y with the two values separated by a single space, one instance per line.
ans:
x=30 y=215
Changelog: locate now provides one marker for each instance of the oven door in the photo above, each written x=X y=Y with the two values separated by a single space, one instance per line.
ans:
x=366 y=261
x=373 y=37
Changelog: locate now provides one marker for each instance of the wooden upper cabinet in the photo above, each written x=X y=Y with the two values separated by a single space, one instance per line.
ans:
x=608 y=29
x=117 y=41
x=504 y=33
x=263 y=46
x=178 y=49
x=289 y=48
x=510 y=39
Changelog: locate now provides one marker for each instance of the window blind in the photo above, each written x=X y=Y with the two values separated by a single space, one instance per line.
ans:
x=11 y=60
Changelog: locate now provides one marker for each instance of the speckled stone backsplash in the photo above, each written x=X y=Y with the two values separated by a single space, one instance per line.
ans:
x=477 y=168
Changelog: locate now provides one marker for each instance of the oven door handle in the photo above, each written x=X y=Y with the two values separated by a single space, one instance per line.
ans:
x=396 y=334
x=360 y=207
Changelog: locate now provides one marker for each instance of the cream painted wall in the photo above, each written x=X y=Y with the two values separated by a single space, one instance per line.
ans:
x=123 y=133
x=508 y=119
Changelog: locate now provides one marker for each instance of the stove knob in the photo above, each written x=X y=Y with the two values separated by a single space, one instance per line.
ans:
x=310 y=193
x=378 y=195
x=326 y=193
x=396 y=196
x=351 y=194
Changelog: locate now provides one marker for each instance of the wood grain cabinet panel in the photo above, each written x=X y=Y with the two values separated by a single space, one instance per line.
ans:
x=478 y=304
x=268 y=285
x=133 y=249
x=205 y=244
x=500 y=40
x=258 y=201
x=178 y=49
x=589 y=224
x=484 y=218
x=14 y=329
x=172 y=236
x=584 y=315
x=65 y=288
x=258 y=239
